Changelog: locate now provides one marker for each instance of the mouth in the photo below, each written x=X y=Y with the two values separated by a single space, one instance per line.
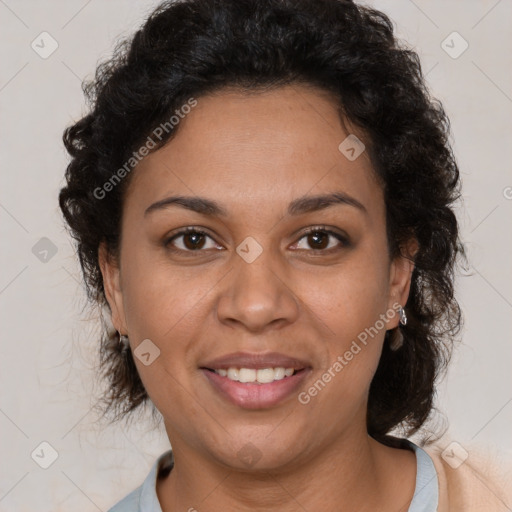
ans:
x=255 y=381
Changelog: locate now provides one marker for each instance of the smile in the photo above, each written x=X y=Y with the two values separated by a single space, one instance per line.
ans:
x=242 y=386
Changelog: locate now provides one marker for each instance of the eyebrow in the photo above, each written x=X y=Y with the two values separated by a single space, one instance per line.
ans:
x=305 y=204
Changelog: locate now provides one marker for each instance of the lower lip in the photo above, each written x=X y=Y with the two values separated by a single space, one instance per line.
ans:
x=252 y=395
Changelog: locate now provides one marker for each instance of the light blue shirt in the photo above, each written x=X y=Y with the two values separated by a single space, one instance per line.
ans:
x=425 y=499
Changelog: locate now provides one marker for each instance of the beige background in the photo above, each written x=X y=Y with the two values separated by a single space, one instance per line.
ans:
x=47 y=361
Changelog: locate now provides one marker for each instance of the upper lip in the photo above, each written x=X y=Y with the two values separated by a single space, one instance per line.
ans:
x=255 y=360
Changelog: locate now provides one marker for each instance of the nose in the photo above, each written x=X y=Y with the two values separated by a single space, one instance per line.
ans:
x=257 y=295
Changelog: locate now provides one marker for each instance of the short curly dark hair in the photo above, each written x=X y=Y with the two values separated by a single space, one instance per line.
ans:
x=192 y=47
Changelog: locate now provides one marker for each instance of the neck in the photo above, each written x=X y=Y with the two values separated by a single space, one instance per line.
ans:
x=355 y=473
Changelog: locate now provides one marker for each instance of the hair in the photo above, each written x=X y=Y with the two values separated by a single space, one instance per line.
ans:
x=189 y=48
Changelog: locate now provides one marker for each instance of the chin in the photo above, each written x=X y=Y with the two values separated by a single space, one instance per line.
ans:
x=261 y=453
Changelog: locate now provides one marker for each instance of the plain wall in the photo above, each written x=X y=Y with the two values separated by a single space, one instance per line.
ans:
x=47 y=355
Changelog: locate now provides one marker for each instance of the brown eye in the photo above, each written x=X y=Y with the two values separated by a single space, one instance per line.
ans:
x=318 y=240
x=193 y=241
x=190 y=240
x=322 y=240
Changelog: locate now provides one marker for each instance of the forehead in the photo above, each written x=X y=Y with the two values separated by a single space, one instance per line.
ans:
x=267 y=146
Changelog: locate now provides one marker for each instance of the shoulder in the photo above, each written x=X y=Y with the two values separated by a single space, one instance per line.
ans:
x=471 y=478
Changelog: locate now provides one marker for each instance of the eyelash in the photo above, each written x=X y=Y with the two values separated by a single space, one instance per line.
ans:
x=316 y=229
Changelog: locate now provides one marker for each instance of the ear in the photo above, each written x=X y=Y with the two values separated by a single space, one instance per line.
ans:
x=400 y=276
x=110 y=271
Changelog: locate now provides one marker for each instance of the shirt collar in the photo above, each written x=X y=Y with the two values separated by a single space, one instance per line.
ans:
x=148 y=495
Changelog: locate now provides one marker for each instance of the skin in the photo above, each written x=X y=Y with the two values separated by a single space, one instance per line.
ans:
x=254 y=154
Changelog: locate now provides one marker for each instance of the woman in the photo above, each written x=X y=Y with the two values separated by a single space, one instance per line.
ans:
x=262 y=196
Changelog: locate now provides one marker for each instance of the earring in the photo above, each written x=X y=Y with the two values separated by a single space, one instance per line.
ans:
x=402 y=315
x=124 y=342
x=396 y=338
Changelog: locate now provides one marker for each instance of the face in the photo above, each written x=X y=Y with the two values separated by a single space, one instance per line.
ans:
x=284 y=270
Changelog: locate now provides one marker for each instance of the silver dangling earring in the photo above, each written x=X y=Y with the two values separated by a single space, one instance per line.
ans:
x=124 y=342
x=402 y=316
x=396 y=338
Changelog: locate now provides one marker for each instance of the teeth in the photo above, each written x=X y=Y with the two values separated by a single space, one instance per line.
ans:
x=279 y=373
x=262 y=376
x=247 y=375
x=266 y=375
x=233 y=373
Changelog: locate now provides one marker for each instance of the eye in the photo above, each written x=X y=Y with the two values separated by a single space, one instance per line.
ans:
x=322 y=239
x=190 y=240
x=195 y=240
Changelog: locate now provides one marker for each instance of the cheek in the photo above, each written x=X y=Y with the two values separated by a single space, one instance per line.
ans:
x=349 y=302
x=158 y=297
x=167 y=306
x=168 y=309
x=349 y=360
x=350 y=297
